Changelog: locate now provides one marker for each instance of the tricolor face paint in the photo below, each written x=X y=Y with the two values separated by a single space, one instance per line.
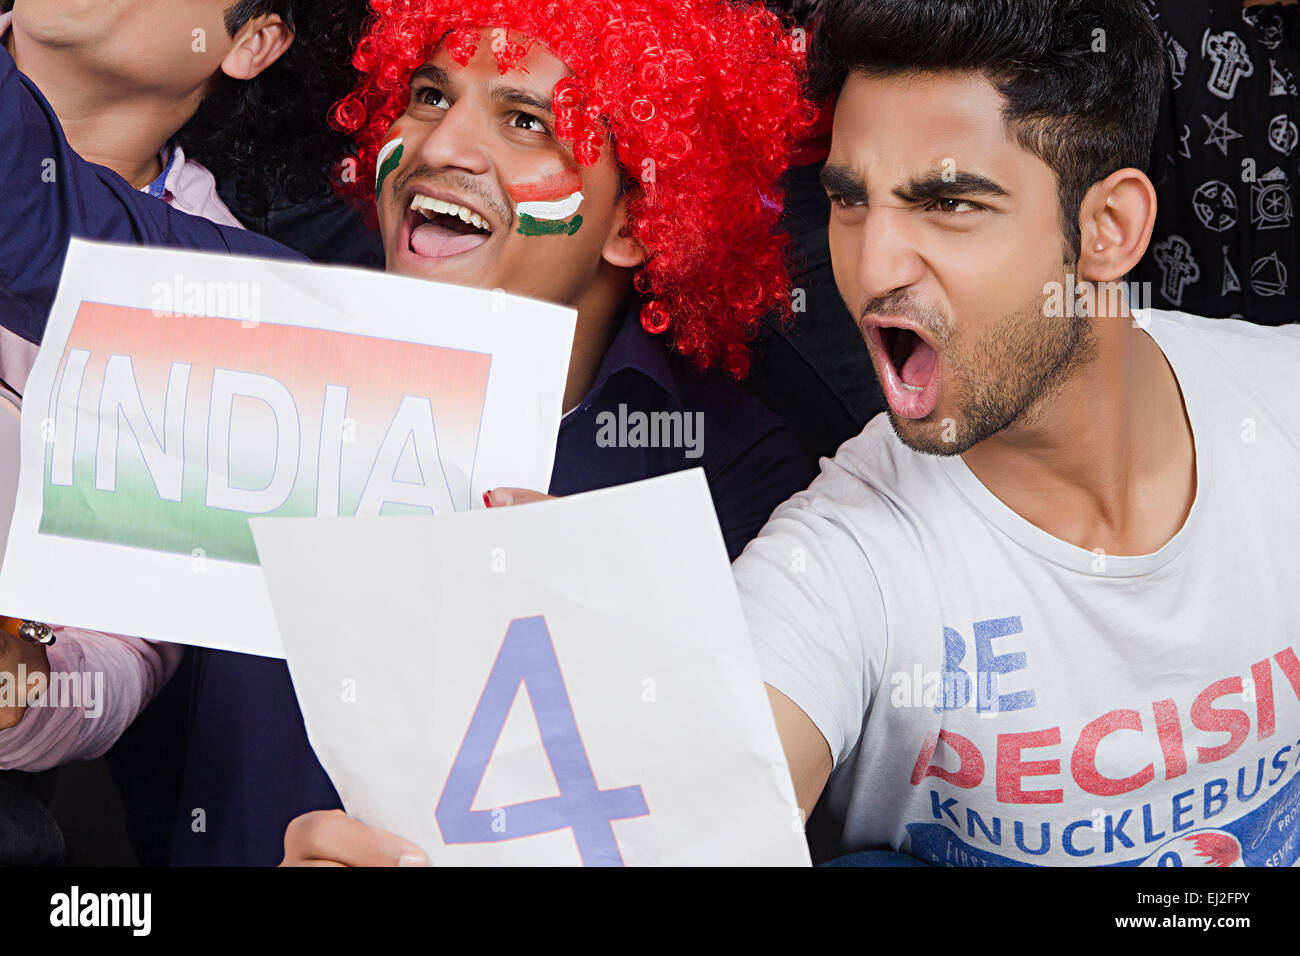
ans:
x=469 y=152
x=546 y=206
x=390 y=157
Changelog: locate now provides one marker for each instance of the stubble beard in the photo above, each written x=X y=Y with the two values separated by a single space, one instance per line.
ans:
x=1010 y=377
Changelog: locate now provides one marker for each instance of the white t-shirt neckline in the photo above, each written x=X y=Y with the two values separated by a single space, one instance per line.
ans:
x=1070 y=556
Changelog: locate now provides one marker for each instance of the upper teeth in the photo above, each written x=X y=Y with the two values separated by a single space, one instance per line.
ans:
x=429 y=205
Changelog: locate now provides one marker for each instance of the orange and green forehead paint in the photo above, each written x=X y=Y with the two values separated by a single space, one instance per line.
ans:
x=546 y=206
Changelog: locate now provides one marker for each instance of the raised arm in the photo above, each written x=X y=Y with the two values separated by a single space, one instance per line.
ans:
x=52 y=194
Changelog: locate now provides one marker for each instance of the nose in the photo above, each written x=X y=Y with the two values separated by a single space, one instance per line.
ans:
x=457 y=140
x=887 y=260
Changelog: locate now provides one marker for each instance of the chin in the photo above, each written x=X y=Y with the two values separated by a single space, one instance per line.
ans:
x=941 y=433
x=926 y=438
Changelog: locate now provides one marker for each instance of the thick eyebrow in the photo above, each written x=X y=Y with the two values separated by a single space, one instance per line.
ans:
x=841 y=181
x=935 y=185
x=512 y=95
x=515 y=96
x=434 y=74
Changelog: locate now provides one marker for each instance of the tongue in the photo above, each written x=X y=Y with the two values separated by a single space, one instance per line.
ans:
x=434 y=241
x=919 y=367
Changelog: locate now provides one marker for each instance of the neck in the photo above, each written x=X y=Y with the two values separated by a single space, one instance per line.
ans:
x=122 y=129
x=1106 y=462
x=599 y=314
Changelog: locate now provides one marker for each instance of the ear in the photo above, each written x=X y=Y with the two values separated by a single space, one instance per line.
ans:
x=620 y=250
x=260 y=42
x=1115 y=223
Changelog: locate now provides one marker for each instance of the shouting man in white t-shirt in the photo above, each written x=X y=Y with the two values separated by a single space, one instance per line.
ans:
x=1045 y=610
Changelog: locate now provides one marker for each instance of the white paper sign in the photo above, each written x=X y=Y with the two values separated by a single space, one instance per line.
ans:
x=177 y=393
x=567 y=682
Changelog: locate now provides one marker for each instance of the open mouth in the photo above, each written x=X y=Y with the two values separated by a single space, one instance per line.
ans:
x=438 y=229
x=913 y=358
x=909 y=370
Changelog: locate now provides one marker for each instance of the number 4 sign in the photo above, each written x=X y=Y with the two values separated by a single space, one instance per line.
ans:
x=502 y=719
x=527 y=656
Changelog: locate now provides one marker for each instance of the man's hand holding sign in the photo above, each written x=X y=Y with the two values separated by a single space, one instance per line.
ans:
x=332 y=838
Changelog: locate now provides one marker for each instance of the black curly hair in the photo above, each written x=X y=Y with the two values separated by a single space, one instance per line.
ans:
x=270 y=133
x=802 y=11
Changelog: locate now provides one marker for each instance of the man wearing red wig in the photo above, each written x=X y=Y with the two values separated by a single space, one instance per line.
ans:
x=619 y=157
x=630 y=134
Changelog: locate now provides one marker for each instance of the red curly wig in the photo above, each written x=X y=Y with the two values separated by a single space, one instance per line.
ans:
x=704 y=103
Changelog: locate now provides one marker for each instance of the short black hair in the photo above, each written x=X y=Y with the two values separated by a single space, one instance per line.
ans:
x=245 y=10
x=1081 y=78
x=271 y=134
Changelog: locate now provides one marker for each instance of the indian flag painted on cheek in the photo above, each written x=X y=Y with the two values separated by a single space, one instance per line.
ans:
x=547 y=206
x=389 y=158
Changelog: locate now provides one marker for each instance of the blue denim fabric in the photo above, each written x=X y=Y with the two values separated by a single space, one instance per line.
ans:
x=875 y=858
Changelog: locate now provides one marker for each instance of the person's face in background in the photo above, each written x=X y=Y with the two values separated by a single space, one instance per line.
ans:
x=166 y=48
x=499 y=201
x=941 y=222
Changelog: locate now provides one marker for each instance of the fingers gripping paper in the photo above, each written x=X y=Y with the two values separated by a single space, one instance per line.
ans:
x=176 y=394
x=568 y=682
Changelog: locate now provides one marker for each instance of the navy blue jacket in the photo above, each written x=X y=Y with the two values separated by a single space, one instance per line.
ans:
x=52 y=194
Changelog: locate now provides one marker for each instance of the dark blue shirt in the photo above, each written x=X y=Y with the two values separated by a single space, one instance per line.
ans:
x=52 y=194
x=248 y=766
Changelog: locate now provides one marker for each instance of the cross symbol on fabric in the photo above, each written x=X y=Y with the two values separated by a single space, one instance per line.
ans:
x=1231 y=63
x=1174 y=256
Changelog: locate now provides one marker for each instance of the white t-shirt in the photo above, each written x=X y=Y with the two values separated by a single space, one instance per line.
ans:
x=993 y=695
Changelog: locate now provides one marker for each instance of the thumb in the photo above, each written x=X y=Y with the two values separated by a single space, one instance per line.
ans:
x=505 y=497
